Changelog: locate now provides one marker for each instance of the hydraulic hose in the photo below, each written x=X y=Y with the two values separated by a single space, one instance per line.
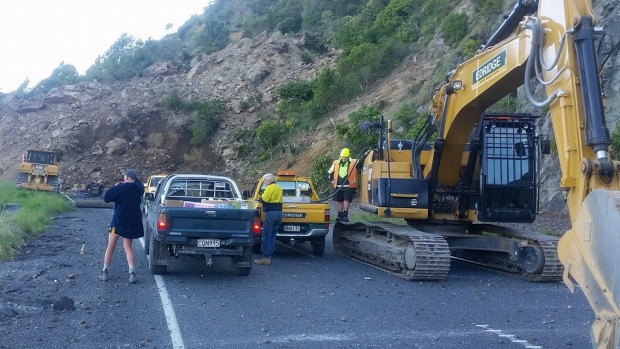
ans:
x=532 y=24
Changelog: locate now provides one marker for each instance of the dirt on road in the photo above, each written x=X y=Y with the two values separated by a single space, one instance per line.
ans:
x=50 y=295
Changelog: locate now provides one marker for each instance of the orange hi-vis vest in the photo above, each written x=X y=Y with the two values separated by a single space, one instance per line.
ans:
x=351 y=170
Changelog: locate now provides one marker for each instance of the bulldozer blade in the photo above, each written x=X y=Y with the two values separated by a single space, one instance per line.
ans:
x=588 y=251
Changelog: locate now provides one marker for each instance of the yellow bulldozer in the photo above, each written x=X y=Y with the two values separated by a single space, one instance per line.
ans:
x=38 y=170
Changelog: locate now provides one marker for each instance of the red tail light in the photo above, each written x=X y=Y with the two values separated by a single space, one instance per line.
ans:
x=327 y=216
x=162 y=224
x=256 y=226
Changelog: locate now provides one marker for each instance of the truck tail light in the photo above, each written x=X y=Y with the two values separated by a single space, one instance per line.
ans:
x=327 y=216
x=256 y=226
x=162 y=223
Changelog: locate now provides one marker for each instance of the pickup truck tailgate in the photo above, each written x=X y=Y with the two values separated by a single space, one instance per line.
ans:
x=191 y=222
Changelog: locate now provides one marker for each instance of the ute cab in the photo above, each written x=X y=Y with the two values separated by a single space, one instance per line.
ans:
x=150 y=186
x=305 y=218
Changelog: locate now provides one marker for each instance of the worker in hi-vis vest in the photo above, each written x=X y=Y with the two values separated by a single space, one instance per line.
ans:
x=343 y=176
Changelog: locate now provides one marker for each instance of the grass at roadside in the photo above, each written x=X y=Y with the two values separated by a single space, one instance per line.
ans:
x=365 y=216
x=35 y=214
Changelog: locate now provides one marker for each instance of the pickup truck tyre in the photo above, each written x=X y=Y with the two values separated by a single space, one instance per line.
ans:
x=256 y=248
x=246 y=256
x=156 y=249
x=318 y=246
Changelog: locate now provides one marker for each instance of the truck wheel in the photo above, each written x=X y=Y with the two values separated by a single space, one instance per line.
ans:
x=246 y=259
x=318 y=246
x=156 y=249
x=256 y=248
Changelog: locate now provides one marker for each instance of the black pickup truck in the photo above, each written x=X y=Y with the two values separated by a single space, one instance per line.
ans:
x=202 y=216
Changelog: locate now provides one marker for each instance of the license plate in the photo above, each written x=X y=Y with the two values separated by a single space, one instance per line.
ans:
x=294 y=215
x=292 y=228
x=208 y=243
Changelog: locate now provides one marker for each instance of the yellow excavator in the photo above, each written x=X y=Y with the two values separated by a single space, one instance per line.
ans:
x=468 y=170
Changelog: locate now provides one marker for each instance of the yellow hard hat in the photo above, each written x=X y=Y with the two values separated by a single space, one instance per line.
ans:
x=345 y=152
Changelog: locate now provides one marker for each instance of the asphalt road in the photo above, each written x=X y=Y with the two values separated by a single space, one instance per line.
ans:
x=300 y=301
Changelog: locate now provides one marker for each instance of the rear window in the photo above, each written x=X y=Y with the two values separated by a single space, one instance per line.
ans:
x=289 y=187
x=201 y=189
x=155 y=181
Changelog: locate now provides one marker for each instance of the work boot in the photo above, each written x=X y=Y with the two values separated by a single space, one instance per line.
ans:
x=345 y=218
x=104 y=275
x=132 y=278
x=339 y=219
x=263 y=261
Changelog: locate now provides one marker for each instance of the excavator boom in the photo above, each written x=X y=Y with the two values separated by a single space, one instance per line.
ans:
x=481 y=168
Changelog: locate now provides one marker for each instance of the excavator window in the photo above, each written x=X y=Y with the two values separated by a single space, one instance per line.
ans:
x=38 y=157
x=508 y=184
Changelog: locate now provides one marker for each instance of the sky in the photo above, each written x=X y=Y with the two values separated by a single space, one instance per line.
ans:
x=37 y=35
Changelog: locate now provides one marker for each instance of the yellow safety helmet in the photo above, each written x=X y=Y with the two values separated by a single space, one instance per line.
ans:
x=345 y=152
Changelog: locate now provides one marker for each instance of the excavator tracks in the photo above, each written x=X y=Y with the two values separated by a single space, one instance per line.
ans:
x=552 y=269
x=398 y=250
x=423 y=252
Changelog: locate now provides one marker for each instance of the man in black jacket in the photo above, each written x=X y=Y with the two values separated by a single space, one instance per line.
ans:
x=126 y=221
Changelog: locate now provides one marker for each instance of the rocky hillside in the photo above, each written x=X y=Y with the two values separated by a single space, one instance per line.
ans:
x=103 y=129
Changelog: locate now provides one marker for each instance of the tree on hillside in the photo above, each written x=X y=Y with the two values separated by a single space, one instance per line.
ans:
x=64 y=74
x=123 y=60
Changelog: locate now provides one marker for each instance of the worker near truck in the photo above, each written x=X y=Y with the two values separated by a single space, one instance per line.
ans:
x=272 y=206
x=126 y=220
x=343 y=176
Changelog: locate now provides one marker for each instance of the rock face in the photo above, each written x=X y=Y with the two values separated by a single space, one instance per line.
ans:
x=103 y=129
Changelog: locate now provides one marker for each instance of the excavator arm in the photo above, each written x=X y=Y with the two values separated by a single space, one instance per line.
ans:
x=557 y=48
x=481 y=168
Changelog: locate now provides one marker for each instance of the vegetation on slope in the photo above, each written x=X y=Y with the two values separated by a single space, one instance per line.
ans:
x=32 y=218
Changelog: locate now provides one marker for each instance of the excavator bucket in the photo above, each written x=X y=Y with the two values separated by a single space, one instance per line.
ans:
x=589 y=253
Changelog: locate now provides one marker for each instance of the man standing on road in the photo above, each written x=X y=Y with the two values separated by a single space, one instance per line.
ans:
x=272 y=206
x=343 y=176
x=126 y=221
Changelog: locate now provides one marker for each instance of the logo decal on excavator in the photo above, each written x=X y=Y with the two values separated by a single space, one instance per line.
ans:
x=489 y=68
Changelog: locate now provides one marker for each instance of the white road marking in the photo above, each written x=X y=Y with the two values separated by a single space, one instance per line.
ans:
x=171 y=318
x=511 y=337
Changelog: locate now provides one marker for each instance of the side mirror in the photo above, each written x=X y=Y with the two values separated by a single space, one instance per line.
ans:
x=149 y=196
x=245 y=195
x=545 y=146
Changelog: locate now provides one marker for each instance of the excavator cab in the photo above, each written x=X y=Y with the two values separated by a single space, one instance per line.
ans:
x=508 y=181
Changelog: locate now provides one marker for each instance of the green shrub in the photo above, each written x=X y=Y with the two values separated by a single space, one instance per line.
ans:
x=351 y=133
x=306 y=57
x=296 y=90
x=247 y=103
x=615 y=142
x=471 y=47
x=488 y=9
x=454 y=28
x=208 y=117
x=33 y=217
x=173 y=101
x=318 y=174
x=410 y=120
x=269 y=133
